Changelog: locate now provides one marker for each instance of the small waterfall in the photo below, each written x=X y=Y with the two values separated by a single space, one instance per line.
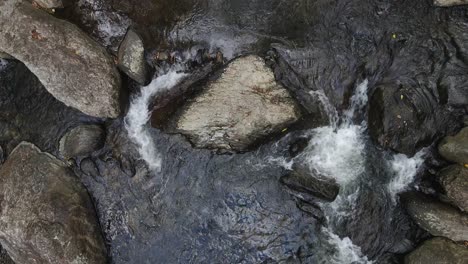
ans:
x=136 y=121
x=338 y=151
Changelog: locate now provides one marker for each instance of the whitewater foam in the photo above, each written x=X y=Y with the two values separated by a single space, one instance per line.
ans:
x=136 y=121
x=404 y=170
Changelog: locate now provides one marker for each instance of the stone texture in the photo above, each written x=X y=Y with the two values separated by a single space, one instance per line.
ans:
x=132 y=57
x=243 y=105
x=307 y=183
x=71 y=66
x=450 y=2
x=437 y=218
x=438 y=251
x=49 y=4
x=455 y=148
x=46 y=213
x=82 y=140
x=4 y=55
x=454 y=180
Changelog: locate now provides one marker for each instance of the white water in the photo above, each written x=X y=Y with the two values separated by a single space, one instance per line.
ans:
x=404 y=170
x=136 y=121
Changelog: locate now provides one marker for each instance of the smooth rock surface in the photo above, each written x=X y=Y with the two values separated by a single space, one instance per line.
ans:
x=244 y=105
x=303 y=182
x=82 y=140
x=437 y=218
x=49 y=4
x=131 y=57
x=454 y=180
x=47 y=215
x=455 y=148
x=450 y=2
x=71 y=66
x=438 y=251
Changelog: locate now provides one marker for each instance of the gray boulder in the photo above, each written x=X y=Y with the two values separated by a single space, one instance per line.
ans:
x=437 y=218
x=82 y=140
x=454 y=180
x=132 y=57
x=71 y=66
x=438 y=251
x=450 y=2
x=4 y=257
x=242 y=106
x=306 y=183
x=455 y=148
x=49 y=4
x=47 y=215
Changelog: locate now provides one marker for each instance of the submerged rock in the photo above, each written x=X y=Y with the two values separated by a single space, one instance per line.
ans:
x=242 y=106
x=437 y=218
x=455 y=148
x=450 y=2
x=82 y=140
x=49 y=4
x=71 y=66
x=303 y=182
x=131 y=57
x=454 y=180
x=438 y=250
x=4 y=55
x=47 y=215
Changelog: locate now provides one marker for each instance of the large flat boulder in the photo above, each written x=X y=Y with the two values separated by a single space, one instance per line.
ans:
x=454 y=181
x=438 y=251
x=82 y=140
x=46 y=213
x=437 y=218
x=242 y=106
x=455 y=148
x=72 y=67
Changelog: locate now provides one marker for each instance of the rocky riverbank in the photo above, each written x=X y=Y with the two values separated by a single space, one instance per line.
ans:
x=163 y=132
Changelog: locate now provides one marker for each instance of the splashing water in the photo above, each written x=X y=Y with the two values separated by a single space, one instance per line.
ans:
x=136 y=121
x=404 y=170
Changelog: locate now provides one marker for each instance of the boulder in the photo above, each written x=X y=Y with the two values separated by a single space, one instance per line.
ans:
x=46 y=213
x=49 y=4
x=438 y=251
x=71 y=66
x=242 y=106
x=437 y=218
x=82 y=140
x=307 y=183
x=6 y=56
x=4 y=257
x=450 y=2
x=455 y=148
x=131 y=57
x=454 y=180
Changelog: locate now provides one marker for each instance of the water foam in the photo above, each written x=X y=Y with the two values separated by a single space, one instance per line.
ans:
x=136 y=121
x=346 y=251
x=404 y=171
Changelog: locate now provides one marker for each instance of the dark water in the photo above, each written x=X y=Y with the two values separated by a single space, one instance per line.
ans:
x=203 y=207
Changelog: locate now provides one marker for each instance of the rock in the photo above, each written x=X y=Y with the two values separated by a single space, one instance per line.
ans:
x=131 y=57
x=82 y=140
x=438 y=250
x=242 y=106
x=303 y=182
x=437 y=218
x=406 y=119
x=6 y=56
x=454 y=180
x=4 y=257
x=47 y=215
x=49 y=4
x=71 y=66
x=455 y=148
x=450 y=2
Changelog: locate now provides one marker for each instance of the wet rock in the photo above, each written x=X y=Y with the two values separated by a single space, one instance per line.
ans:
x=405 y=119
x=455 y=148
x=131 y=57
x=47 y=215
x=71 y=66
x=4 y=55
x=4 y=257
x=450 y=2
x=82 y=140
x=242 y=106
x=438 y=250
x=49 y=4
x=303 y=182
x=454 y=180
x=437 y=218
